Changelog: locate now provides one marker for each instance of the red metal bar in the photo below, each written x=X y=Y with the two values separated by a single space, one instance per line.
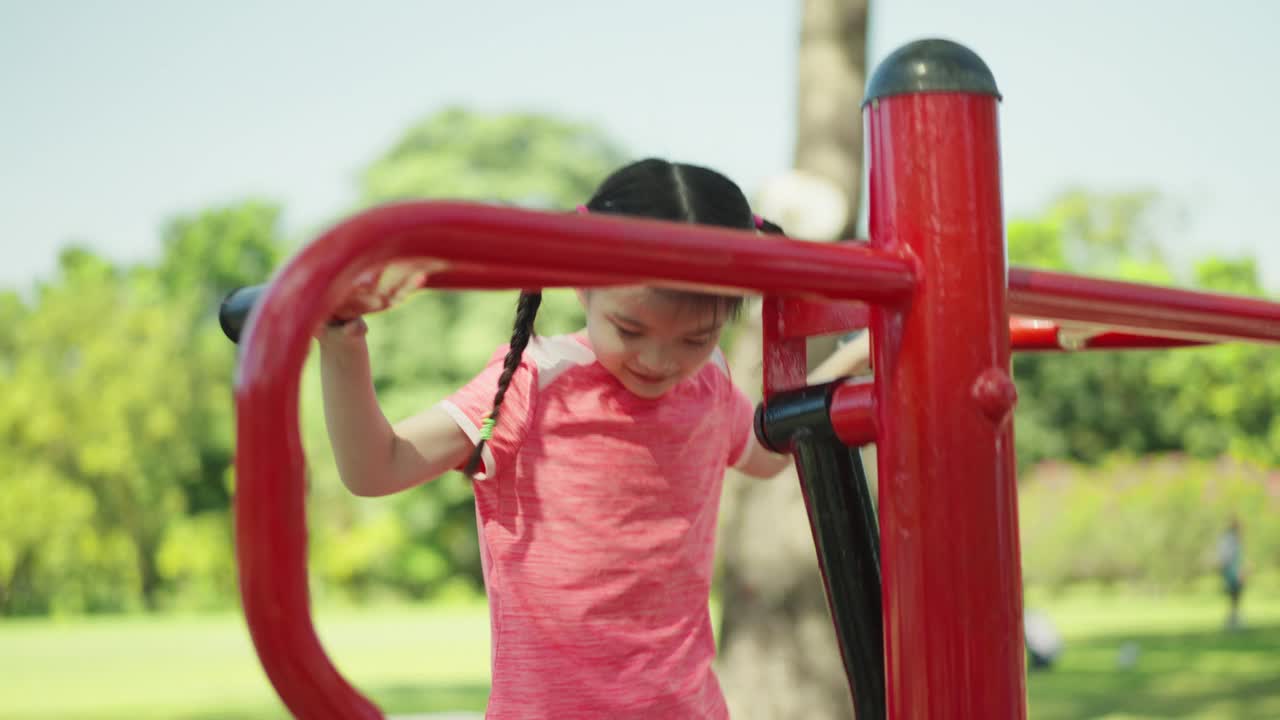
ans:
x=1191 y=318
x=853 y=412
x=460 y=243
x=1027 y=334
x=1142 y=309
x=948 y=498
x=485 y=247
x=806 y=318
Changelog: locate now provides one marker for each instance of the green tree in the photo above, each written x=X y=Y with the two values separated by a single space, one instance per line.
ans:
x=88 y=415
x=1223 y=399
x=219 y=249
x=530 y=159
x=116 y=412
x=1085 y=406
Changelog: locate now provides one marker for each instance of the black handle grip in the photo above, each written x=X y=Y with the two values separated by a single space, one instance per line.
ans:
x=235 y=310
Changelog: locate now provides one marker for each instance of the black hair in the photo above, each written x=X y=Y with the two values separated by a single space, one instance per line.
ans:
x=655 y=189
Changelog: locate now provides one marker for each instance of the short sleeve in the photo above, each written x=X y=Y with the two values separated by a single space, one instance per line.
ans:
x=471 y=404
x=742 y=425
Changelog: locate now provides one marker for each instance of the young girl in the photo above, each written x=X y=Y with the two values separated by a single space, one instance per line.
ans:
x=598 y=460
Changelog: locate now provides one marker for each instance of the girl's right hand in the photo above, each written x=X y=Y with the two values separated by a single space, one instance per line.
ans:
x=341 y=332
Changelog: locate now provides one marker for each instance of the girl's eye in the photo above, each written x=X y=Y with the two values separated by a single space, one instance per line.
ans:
x=697 y=342
x=627 y=333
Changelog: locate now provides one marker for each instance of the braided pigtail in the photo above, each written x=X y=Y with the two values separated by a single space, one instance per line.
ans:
x=766 y=227
x=526 y=311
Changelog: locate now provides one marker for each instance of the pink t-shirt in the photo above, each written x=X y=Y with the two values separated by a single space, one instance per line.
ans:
x=597 y=516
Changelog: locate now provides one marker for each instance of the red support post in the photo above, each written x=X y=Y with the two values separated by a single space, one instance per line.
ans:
x=948 y=498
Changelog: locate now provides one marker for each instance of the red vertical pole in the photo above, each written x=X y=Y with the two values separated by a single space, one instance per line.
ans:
x=948 y=505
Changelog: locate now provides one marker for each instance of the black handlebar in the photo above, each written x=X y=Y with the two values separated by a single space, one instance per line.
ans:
x=235 y=310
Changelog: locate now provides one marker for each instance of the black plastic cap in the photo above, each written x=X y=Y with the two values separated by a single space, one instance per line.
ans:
x=234 y=311
x=931 y=66
x=806 y=409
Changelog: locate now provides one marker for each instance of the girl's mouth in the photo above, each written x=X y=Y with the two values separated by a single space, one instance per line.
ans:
x=646 y=378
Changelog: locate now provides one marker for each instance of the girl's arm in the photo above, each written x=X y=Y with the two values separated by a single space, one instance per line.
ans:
x=761 y=462
x=851 y=358
x=373 y=457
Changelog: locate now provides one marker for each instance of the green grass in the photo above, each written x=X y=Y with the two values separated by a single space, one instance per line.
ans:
x=421 y=660
x=203 y=668
x=1187 y=665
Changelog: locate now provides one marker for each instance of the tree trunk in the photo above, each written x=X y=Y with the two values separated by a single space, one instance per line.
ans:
x=831 y=77
x=778 y=655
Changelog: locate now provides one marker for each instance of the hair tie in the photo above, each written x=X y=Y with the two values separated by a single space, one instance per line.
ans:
x=486 y=429
x=582 y=209
x=759 y=221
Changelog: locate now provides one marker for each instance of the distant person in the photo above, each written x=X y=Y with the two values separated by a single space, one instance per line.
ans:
x=1231 y=566
x=1127 y=658
x=1044 y=642
x=598 y=459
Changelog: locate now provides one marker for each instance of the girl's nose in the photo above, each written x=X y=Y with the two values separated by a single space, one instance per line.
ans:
x=654 y=361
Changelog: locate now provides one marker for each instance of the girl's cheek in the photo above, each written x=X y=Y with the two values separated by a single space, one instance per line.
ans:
x=695 y=358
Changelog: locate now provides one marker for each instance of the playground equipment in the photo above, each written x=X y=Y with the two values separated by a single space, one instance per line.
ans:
x=926 y=602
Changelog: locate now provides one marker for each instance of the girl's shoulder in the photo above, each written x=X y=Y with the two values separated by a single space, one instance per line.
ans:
x=716 y=372
x=552 y=356
x=719 y=363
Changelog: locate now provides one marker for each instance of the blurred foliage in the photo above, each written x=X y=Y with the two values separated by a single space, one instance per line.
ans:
x=1154 y=521
x=116 y=419
x=528 y=159
x=116 y=406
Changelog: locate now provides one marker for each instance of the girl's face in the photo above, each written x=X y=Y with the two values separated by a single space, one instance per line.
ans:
x=650 y=341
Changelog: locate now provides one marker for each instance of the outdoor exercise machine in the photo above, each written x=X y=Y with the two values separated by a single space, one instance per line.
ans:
x=925 y=590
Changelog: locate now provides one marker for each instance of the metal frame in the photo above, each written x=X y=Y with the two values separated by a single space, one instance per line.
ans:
x=939 y=408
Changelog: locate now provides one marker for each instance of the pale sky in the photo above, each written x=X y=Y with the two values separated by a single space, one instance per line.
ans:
x=117 y=115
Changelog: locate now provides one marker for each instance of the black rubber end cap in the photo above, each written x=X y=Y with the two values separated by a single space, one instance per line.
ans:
x=234 y=311
x=931 y=65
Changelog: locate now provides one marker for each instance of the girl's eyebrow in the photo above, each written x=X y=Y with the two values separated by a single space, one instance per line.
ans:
x=625 y=320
